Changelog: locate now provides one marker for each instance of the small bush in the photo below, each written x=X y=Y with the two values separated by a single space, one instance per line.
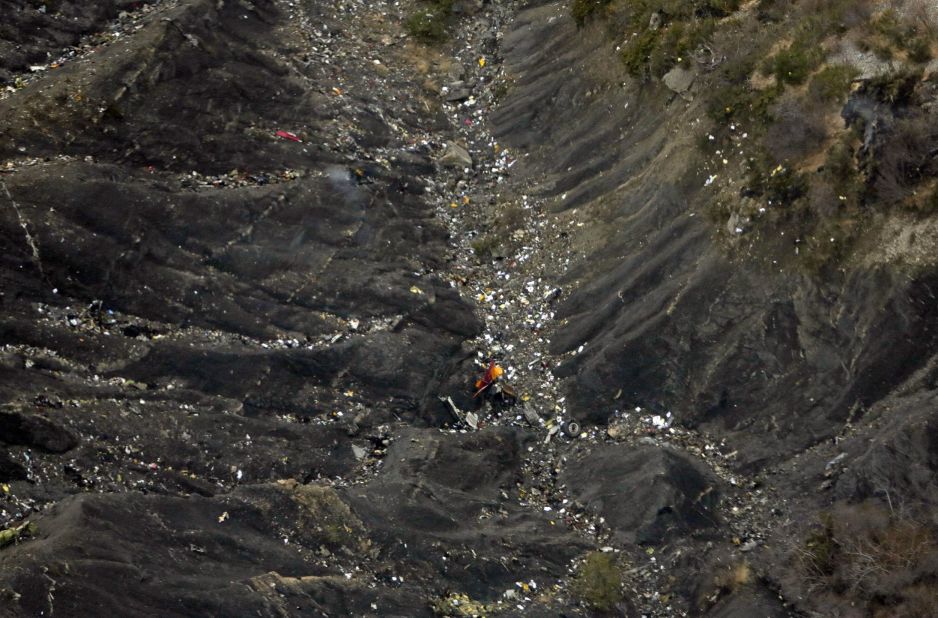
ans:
x=677 y=43
x=686 y=25
x=427 y=25
x=895 y=88
x=794 y=64
x=832 y=83
x=583 y=10
x=721 y=8
x=429 y=22
x=836 y=15
x=889 y=33
x=742 y=101
x=599 y=582
x=820 y=549
x=888 y=26
x=904 y=159
x=733 y=577
x=638 y=51
x=797 y=129
x=485 y=247
x=779 y=185
x=919 y=49
x=841 y=170
x=928 y=205
x=772 y=10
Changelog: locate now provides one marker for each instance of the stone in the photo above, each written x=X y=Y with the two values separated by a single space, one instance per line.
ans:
x=679 y=80
x=455 y=156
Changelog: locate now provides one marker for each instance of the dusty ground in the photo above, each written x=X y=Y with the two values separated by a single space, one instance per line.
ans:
x=244 y=261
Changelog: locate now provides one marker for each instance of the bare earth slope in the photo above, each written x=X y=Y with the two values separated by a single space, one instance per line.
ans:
x=244 y=259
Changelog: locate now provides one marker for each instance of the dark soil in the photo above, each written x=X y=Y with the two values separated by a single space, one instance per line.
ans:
x=245 y=259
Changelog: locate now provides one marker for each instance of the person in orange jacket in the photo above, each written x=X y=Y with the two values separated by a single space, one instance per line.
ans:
x=488 y=378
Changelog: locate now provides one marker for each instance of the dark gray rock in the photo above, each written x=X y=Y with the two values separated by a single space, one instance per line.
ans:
x=36 y=432
x=648 y=495
x=442 y=496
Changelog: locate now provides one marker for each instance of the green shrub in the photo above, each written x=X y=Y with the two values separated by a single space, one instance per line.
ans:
x=889 y=33
x=430 y=20
x=929 y=205
x=895 y=88
x=772 y=10
x=832 y=83
x=583 y=10
x=888 y=26
x=686 y=25
x=720 y=8
x=485 y=247
x=841 y=169
x=919 y=49
x=638 y=50
x=820 y=548
x=599 y=582
x=742 y=101
x=778 y=185
x=676 y=44
x=794 y=64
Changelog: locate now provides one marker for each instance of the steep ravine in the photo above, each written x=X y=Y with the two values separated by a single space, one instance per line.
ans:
x=250 y=276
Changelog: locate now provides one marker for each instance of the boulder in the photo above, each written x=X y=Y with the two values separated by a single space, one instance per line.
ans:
x=455 y=156
x=647 y=494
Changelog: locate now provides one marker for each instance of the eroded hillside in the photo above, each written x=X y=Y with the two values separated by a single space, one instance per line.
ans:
x=258 y=252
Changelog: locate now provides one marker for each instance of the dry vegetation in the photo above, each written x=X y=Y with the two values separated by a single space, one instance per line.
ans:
x=832 y=94
x=870 y=557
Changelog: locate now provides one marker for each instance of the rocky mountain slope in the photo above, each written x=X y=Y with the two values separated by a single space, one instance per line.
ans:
x=256 y=254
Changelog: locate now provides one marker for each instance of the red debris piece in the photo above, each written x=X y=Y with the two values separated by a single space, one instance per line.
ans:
x=287 y=135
